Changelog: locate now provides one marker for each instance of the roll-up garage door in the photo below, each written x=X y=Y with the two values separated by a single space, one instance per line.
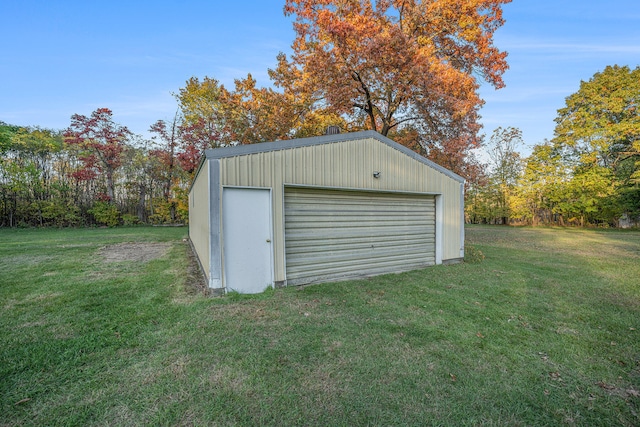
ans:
x=332 y=234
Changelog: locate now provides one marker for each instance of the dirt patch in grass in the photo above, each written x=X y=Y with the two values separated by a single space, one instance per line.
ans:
x=140 y=252
x=136 y=251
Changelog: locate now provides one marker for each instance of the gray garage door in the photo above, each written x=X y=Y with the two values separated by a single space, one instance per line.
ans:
x=331 y=235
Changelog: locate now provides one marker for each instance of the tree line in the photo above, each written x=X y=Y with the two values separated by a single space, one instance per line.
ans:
x=407 y=69
x=587 y=175
x=96 y=172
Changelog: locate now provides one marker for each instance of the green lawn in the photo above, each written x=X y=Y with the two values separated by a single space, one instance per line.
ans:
x=544 y=331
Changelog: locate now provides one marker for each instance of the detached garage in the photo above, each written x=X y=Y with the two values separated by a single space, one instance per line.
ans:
x=321 y=209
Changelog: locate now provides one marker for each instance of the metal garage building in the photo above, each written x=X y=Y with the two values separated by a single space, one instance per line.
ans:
x=321 y=209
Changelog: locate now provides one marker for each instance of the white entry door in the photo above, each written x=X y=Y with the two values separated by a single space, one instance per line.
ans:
x=246 y=218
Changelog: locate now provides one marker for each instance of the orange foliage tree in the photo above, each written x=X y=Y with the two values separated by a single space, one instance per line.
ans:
x=400 y=67
x=215 y=116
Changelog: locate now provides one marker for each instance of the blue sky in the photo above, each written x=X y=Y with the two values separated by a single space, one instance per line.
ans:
x=65 y=57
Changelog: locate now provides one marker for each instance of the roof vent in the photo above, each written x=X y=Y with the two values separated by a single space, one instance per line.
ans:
x=333 y=130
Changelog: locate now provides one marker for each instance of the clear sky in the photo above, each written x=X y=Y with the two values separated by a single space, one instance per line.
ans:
x=61 y=57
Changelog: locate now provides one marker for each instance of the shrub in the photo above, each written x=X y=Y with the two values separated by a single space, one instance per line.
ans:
x=473 y=254
x=60 y=213
x=105 y=213
x=128 y=219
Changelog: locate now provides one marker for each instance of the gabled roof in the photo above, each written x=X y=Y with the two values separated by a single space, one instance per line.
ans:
x=243 y=150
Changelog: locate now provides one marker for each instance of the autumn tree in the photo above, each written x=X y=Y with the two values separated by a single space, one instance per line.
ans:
x=587 y=194
x=203 y=120
x=310 y=114
x=166 y=159
x=598 y=132
x=34 y=187
x=47 y=179
x=215 y=116
x=167 y=133
x=602 y=118
x=506 y=166
x=102 y=142
x=388 y=63
x=491 y=200
x=590 y=172
x=541 y=186
x=136 y=185
x=203 y=114
x=257 y=114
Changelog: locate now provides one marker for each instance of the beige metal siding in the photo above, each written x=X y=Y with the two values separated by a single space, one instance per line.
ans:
x=332 y=235
x=347 y=164
x=199 y=218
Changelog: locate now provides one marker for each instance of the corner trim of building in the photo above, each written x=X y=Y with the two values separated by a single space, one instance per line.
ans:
x=439 y=202
x=462 y=236
x=215 y=224
x=216 y=292
x=280 y=284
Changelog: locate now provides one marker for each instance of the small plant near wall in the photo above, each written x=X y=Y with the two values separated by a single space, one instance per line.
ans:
x=473 y=255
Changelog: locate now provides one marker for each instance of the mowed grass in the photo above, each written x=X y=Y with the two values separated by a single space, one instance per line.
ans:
x=544 y=331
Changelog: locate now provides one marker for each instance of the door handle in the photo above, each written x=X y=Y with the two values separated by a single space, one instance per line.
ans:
x=268 y=240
